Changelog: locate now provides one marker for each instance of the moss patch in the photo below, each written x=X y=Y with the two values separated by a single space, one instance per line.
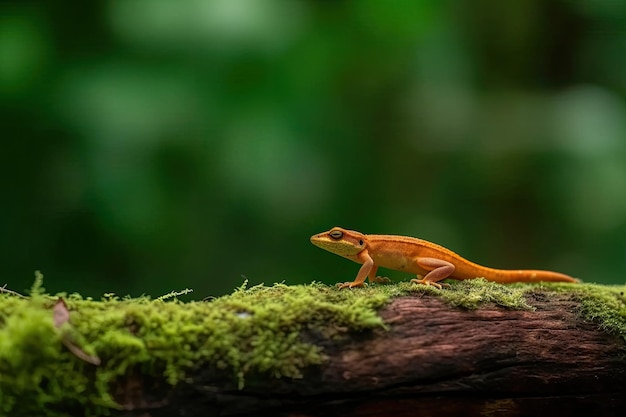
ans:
x=601 y=304
x=473 y=293
x=468 y=294
x=255 y=330
x=258 y=330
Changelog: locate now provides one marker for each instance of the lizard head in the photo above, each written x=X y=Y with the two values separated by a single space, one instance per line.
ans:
x=342 y=242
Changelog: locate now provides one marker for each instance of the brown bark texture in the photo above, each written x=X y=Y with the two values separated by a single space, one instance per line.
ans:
x=433 y=359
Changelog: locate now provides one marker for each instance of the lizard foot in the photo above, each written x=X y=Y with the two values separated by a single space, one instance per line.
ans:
x=342 y=285
x=427 y=283
x=381 y=280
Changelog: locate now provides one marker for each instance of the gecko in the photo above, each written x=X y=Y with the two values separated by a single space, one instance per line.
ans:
x=429 y=261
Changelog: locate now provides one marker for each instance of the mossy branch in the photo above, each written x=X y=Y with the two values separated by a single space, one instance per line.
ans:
x=297 y=344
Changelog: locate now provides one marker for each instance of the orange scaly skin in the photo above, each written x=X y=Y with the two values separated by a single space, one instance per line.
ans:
x=417 y=256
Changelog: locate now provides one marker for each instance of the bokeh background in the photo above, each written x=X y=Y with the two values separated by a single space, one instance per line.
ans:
x=155 y=145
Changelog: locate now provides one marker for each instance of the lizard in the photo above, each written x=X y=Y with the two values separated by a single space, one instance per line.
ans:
x=429 y=261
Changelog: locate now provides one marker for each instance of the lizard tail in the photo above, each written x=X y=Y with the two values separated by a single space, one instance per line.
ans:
x=529 y=275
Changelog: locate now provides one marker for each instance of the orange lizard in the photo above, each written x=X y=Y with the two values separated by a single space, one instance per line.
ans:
x=429 y=261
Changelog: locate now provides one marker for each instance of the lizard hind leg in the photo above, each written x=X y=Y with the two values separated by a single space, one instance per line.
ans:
x=429 y=283
x=438 y=269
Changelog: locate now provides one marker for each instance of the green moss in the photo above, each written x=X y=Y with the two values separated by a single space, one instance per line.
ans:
x=468 y=294
x=253 y=331
x=471 y=294
x=601 y=304
x=256 y=330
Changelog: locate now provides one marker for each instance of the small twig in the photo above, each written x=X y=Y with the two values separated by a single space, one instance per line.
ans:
x=6 y=290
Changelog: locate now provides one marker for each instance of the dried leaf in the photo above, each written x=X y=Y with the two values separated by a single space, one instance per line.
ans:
x=61 y=313
x=62 y=316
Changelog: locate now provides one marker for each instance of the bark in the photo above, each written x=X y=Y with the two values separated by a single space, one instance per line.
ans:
x=432 y=359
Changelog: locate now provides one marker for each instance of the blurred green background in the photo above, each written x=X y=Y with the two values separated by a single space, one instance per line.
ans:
x=154 y=145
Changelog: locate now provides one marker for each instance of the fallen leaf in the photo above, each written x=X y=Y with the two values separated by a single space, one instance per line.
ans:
x=61 y=313
x=62 y=316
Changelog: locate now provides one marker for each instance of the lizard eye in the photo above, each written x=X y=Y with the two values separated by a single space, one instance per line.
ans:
x=336 y=234
x=361 y=242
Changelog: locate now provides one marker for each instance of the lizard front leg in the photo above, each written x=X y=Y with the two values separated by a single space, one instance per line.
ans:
x=367 y=270
x=438 y=269
x=373 y=278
